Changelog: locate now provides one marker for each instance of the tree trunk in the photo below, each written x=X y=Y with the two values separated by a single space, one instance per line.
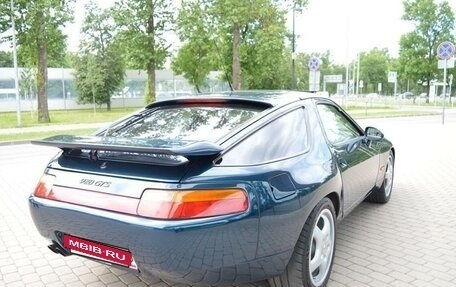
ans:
x=108 y=103
x=42 y=76
x=236 y=57
x=151 y=82
x=150 y=92
x=428 y=89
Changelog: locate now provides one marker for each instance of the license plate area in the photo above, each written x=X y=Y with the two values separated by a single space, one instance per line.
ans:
x=99 y=251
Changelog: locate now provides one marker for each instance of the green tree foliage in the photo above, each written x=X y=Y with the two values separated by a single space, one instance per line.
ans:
x=197 y=57
x=248 y=38
x=6 y=59
x=143 y=25
x=99 y=67
x=39 y=37
x=434 y=23
x=263 y=50
x=239 y=19
x=373 y=68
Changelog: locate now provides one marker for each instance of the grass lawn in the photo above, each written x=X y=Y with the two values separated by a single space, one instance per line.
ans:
x=388 y=112
x=41 y=135
x=62 y=117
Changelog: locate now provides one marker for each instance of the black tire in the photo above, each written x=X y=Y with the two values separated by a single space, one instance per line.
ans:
x=383 y=193
x=297 y=273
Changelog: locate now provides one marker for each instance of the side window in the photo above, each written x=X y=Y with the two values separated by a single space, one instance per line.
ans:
x=338 y=128
x=284 y=137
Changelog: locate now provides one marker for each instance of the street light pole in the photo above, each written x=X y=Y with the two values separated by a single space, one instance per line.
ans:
x=16 y=70
x=293 y=56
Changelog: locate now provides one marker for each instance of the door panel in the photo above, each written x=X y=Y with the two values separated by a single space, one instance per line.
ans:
x=359 y=168
x=357 y=161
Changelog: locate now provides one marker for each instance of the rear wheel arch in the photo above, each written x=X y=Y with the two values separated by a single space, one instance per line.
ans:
x=335 y=198
x=312 y=259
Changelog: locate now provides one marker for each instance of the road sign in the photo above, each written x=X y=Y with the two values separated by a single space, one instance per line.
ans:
x=314 y=81
x=449 y=64
x=445 y=50
x=314 y=64
x=332 y=78
x=361 y=84
x=392 y=77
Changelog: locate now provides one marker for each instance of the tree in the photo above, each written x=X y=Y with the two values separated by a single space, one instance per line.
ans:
x=99 y=68
x=39 y=37
x=264 y=61
x=6 y=59
x=236 y=18
x=434 y=23
x=373 y=68
x=198 y=56
x=244 y=37
x=143 y=26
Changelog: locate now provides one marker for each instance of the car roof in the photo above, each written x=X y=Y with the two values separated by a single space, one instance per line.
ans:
x=262 y=98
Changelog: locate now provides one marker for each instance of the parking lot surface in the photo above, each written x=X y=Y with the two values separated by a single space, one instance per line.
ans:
x=408 y=242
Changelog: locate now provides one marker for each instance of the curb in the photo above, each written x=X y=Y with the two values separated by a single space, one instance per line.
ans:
x=14 y=142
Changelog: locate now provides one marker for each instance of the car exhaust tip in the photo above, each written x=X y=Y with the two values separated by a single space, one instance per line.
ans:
x=56 y=248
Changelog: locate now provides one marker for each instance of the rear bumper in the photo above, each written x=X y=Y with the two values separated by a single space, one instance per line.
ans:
x=215 y=250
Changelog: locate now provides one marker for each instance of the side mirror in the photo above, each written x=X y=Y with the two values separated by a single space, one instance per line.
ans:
x=373 y=134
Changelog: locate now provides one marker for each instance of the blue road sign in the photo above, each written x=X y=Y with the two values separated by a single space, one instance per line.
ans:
x=314 y=64
x=445 y=50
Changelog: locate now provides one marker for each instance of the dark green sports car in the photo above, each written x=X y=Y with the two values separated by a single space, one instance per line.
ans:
x=216 y=188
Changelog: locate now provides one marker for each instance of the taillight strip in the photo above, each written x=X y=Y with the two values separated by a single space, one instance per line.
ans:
x=154 y=203
x=94 y=199
x=187 y=204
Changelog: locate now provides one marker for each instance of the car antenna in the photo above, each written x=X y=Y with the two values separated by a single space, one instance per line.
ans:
x=226 y=74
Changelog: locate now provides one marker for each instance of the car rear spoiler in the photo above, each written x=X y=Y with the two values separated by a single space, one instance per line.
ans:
x=132 y=149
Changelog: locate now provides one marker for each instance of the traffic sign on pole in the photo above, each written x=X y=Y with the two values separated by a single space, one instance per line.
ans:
x=392 y=77
x=314 y=64
x=333 y=78
x=449 y=64
x=445 y=50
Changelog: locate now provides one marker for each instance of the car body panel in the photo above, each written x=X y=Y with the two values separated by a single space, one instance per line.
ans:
x=240 y=247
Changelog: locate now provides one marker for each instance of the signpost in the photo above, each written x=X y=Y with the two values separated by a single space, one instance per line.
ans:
x=314 y=75
x=450 y=82
x=331 y=79
x=392 y=78
x=445 y=52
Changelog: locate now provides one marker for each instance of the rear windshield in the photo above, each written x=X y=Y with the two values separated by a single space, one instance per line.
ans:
x=184 y=123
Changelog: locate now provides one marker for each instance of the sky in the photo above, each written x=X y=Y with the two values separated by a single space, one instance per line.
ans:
x=349 y=26
x=344 y=27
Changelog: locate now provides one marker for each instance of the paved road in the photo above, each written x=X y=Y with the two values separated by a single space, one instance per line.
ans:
x=407 y=242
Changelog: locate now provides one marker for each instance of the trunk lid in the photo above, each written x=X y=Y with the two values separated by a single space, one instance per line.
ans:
x=103 y=164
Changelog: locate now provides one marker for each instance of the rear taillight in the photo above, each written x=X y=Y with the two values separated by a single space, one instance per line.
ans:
x=44 y=187
x=157 y=204
x=186 y=204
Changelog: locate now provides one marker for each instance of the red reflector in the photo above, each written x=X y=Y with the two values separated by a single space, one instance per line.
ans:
x=46 y=189
x=188 y=204
x=94 y=199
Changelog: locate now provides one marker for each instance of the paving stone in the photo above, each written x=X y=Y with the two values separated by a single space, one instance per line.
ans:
x=408 y=242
